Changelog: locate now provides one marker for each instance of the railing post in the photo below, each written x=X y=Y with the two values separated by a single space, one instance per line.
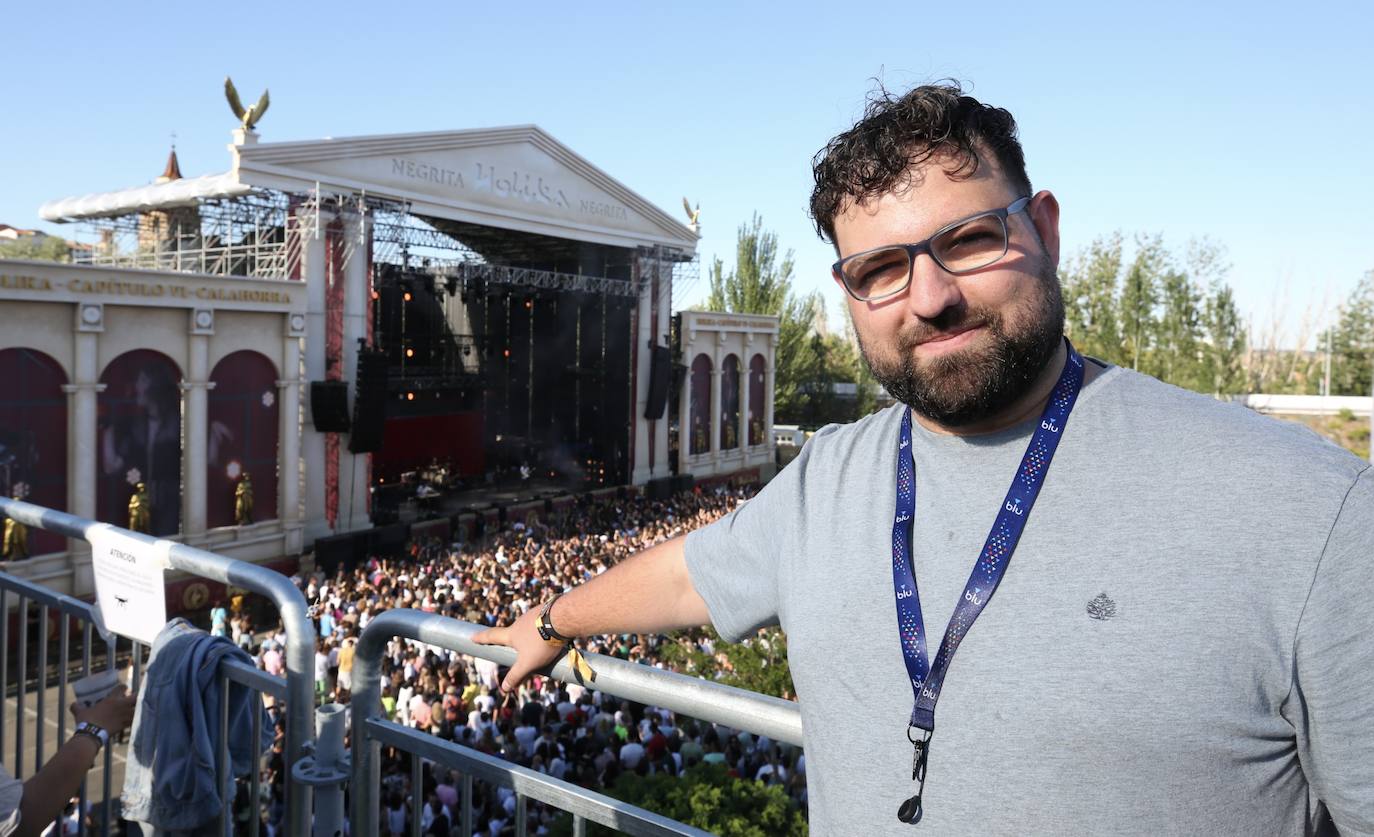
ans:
x=327 y=770
x=365 y=705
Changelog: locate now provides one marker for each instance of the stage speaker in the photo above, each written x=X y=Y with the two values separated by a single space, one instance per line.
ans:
x=659 y=489
x=660 y=376
x=369 y=403
x=329 y=406
x=683 y=483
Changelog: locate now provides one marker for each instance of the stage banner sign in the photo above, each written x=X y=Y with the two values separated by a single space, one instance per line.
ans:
x=129 y=590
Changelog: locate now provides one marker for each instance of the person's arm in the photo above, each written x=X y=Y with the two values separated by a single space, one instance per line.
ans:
x=650 y=592
x=47 y=792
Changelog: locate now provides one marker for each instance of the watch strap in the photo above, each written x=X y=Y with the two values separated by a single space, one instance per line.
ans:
x=93 y=731
x=544 y=625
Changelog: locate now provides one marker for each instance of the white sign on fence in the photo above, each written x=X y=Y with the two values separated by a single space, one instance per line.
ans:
x=128 y=584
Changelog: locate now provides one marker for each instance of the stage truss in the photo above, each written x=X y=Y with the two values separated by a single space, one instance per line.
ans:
x=263 y=234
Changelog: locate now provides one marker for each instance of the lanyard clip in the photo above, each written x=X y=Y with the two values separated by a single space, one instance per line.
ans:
x=911 y=810
x=921 y=752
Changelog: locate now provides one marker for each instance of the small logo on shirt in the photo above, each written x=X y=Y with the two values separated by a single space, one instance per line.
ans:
x=1102 y=607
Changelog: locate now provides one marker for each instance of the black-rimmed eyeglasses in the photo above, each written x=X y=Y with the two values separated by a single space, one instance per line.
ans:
x=964 y=246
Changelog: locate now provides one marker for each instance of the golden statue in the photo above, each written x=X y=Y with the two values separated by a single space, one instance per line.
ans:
x=693 y=215
x=140 y=510
x=248 y=117
x=699 y=437
x=16 y=543
x=756 y=431
x=729 y=435
x=243 y=501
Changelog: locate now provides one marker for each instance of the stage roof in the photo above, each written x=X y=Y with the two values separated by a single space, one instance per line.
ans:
x=187 y=191
x=515 y=178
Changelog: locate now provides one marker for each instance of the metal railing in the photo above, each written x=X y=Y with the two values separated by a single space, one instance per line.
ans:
x=48 y=603
x=317 y=765
x=701 y=699
x=298 y=688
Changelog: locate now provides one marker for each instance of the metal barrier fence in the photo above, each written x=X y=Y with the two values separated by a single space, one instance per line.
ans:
x=297 y=689
x=701 y=699
x=323 y=770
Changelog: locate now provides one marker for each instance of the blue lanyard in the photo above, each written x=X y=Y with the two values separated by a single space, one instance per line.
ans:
x=926 y=680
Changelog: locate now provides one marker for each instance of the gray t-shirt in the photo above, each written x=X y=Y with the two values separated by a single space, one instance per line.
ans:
x=1183 y=642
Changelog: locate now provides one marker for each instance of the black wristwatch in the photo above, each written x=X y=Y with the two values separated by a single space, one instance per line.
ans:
x=90 y=730
x=545 y=627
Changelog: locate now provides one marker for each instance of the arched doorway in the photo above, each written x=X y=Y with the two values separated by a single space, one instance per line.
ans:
x=139 y=439
x=242 y=435
x=33 y=436
x=729 y=403
x=700 y=410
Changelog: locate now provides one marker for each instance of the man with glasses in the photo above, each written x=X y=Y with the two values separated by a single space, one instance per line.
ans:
x=1181 y=638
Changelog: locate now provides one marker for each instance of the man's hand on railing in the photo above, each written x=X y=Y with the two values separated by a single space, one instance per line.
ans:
x=531 y=652
x=648 y=593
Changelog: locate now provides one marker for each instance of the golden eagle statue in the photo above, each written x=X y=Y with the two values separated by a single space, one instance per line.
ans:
x=249 y=116
x=693 y=215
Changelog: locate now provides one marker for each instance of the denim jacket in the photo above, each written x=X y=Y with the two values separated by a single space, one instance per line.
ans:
x=169 y=781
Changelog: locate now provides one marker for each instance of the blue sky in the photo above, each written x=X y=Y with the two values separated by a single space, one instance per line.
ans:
x=1247 y=123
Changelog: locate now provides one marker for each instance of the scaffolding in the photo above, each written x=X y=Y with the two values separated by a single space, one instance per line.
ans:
x=258 y=235
x=262 y=235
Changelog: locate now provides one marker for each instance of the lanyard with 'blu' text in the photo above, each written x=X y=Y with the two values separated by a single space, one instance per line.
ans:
x=926 y=679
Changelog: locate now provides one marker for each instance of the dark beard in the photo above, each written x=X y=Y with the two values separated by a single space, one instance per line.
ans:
x=968 y=387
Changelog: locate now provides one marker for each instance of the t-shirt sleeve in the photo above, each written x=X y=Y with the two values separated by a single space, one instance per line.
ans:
x=734 y=562
x=1334 y=667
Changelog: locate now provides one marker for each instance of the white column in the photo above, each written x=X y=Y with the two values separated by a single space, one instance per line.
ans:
x=314 y=271
x=742 y=414
x=82 y=431
x=289 y=434
x=684 y=416
x=643 y=337
x=82 y=442
x=662 y=467
x=714 y=447
x=768 y=402
x=195 y=435
x=353 y=468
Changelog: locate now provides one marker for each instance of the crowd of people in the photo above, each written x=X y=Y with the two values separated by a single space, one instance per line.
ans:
x=561 y=729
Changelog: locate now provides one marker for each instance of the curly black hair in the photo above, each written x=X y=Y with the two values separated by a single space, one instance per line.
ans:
x=900 y=132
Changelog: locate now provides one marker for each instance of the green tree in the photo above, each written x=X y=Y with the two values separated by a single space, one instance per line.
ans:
x=1090 y=299
x=761 y=283
x=757 y=663
x=1179 y=332
x=1352 y=341
x=1139 y=296
x=707 y=797
x=1224 y=352
x=1180 y=325
x=48 y=248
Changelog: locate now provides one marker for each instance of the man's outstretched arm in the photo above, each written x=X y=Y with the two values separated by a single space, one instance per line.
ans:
x=648 y=593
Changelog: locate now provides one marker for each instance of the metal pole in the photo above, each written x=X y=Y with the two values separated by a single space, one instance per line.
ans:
x=23 y=686
x=778 y=719
x=40 y=728
x=329 y=753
